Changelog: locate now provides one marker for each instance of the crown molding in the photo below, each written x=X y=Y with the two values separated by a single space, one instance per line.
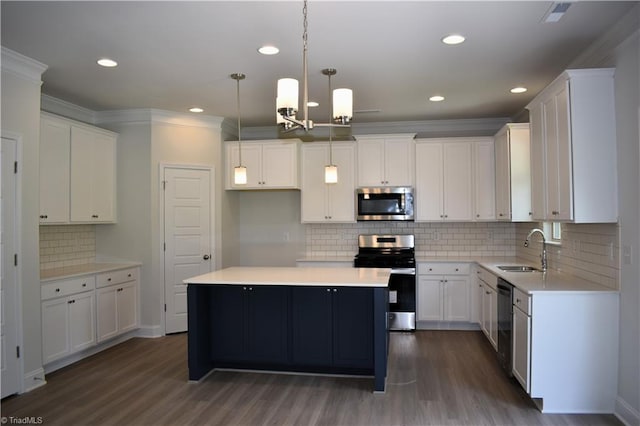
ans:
x=22 y=66
x=66 y=109
x=156 y=116
x=434 y=128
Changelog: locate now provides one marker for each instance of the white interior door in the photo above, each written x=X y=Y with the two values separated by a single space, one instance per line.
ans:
x=8 y=271
x=187 y=233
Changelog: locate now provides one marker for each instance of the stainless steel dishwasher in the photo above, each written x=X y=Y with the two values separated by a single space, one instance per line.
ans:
x=505 y=325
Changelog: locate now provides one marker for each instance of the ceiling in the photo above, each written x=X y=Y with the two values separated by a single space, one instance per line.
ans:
x=176 y=55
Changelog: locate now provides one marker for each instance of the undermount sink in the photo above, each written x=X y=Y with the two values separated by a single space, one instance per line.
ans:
x=518 y=268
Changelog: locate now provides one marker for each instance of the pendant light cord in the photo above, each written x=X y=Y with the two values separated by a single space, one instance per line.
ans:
x=305 y=89
x=330 y=127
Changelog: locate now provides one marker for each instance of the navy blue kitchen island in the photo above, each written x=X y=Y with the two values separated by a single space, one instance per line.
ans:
x=311 y=320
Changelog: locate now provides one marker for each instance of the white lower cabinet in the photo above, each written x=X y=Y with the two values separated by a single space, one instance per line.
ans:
x=564 y=349
x=117 y=302
x=443 y=292
x=68 y=322
x=488 y=301
x=521 y=336
x=78 y=313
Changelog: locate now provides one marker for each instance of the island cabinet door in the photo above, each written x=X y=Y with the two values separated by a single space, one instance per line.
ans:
x=353 y=327
x=267 y=324
x=228 y=323
x=249 y=324
x=312 y=338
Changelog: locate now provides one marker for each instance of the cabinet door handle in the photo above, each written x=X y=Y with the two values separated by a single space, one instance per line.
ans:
x=94 y=216
x=109 y=279
x=518 y=301
x=205 y=257
x=477 y=215
x=84 y=284
x=129 y=275
x=335 y=290
x=43 y=216
x=329 y=290
x=71 y=301
x=487 y=292
x=57 y=290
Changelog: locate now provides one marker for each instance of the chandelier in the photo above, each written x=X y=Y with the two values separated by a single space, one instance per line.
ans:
x=287 y=96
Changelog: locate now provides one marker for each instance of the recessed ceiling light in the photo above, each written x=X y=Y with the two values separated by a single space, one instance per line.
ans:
x=518 y=90
x=453 y=39
x=436 y=98
x=196 y=109
x=312 y=104
x=268 y=50
x=106 y=62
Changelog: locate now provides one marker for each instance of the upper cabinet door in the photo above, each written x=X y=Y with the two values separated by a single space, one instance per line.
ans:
x=398 y=166
x=484 y=181
x=93 y=179
x=573 y=132
x=429 y=182
x=385 y=160
x=457 y=181
x=280 y=165
x=270 y=164
x=371 y=162
x=55 y=154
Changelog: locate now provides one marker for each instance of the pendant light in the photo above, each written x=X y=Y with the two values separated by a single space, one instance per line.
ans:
x=330 y=170
x=240 y=171
x=287 y=96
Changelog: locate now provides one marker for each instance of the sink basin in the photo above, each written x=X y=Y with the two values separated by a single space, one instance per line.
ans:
x=518 y=268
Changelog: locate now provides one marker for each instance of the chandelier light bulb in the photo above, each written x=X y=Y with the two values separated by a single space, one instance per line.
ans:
x=287 y=94
x=343 y=105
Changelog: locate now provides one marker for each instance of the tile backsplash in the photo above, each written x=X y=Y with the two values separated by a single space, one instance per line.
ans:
x=66 y=245
x=589 y=251
x=432 y=239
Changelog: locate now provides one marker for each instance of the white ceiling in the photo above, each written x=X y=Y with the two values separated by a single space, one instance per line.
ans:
x=175 y=55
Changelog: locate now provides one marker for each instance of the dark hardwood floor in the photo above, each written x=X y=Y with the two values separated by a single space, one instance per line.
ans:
x=435 y=378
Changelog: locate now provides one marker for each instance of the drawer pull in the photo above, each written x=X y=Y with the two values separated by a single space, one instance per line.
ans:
x=57 y=290
x=129 y=275
x=84 y=284
x=109 y=279
x=518 y=301
x=457 y=269
x=430 y=269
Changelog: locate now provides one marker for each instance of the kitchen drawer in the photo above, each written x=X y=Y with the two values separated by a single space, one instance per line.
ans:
x=67 y=287
x=487 y=277
x=117 y=277
x=443 y=268
x=522 y=301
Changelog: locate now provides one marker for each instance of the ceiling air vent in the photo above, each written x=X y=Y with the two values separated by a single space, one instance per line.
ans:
x=556 y=12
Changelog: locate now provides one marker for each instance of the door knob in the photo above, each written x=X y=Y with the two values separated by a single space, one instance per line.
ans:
x=206 y=257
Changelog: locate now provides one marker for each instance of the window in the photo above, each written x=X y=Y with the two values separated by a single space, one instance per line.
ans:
x=553 y=232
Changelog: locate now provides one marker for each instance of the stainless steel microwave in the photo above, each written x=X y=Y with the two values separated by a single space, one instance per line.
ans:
x=385 y=203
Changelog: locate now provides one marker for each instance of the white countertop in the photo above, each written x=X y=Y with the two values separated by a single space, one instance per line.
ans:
x=85 y=269
x=341 y=277
x=550 y=281
x=528 y=282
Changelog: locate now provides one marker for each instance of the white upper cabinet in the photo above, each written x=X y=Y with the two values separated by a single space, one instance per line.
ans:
x=55 y=170
x=270 y=164
x=443 y=180
x=323 y=202
x=77 y=172
x=484 y=181
x=513 y=173
x=573 y=148
x=93 y=176
x=385 y=160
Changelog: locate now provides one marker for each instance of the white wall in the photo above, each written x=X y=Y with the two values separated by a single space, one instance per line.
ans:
x=21 y=79
x=627 y=111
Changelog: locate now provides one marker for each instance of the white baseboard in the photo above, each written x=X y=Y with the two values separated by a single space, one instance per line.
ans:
x=626 y=413
x=33 y=380
x=150 y=331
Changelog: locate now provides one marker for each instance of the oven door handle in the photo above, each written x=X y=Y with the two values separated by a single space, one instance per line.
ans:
x=403 y=271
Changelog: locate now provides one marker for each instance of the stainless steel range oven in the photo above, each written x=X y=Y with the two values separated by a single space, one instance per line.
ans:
x=398 y=253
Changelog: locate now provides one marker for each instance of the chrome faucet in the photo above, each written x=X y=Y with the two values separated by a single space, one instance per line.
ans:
x=543 y=256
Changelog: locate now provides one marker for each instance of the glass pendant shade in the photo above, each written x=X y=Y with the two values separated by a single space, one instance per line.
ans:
x=330 y=174
x=287 y=94
x=343 y=104
x=240 y=175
